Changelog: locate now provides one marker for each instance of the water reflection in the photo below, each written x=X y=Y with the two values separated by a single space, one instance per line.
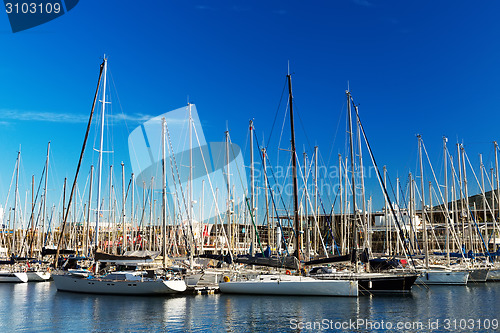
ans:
x=39 y=307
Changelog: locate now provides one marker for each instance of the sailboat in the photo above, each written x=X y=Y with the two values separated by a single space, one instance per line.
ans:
x=11 y=271
x=13 y=276
x=435 y=274
x=369 y=282
x=117 y=282
x=287 y=284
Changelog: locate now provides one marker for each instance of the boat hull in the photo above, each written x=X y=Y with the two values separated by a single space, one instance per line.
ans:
x=38 y=276
x=291 y=285
x=493 y=275
x=443 y=277
x=13 y=277
x=375 y=283
x=98 y=286
x=203 y=279
x=478 y=275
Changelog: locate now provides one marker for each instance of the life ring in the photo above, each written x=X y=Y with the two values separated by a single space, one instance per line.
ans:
x=226 y=279
x=288 y=272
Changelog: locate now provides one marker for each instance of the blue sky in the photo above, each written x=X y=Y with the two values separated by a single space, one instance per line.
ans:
x=428 y=67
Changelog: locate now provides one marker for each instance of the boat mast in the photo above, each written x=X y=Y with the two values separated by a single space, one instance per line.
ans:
x=294 y=174
x=80 y=160
x=87 y=228
x=353 y=185
x=342 y=223
x=422 y=196
x=494 y=232
x=467 y=212
x=228 y=201
x=365 y=222
x=191 y=184
x=164 y=193
x=124 y=224
x=252 y=194
x=306 y=211
x=99 y=163
x=268 y=219
x=44 y=214
x=316 y=208
x=387 y=242
x=132 y=192
x=485 y=203
x=447 y=236
x=16 y=195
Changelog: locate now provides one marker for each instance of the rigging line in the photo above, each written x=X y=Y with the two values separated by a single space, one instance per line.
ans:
x=482 y=190
x=381 y=183
x=302 y=125
x=455 y=237
x=404 y=203
x=31 y=222
x=11 y=182
x=454 y=176
x=216 y=203
x=493 y=198
x=172 y=164
x=329 y=179
x=276 y=114
x=341 y=113
x=276 y=182
x=272 y=198
x=308 y=200
x=282 y=130
x=79 y=164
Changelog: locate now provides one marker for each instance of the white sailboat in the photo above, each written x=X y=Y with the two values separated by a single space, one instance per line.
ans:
x=435 y=274
x=119 y=283
x=443 y=276
x=282 y=284
x=494 y=273
x=37 y=275
x=13 y=277
x=123 y=282
x=287 y=284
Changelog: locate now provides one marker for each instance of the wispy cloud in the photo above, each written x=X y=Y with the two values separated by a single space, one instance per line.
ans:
x=6 y=114
x=365 y=3
x=134 y=118
x=68 y=118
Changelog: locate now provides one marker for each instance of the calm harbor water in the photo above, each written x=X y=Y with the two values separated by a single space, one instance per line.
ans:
x=38 y=307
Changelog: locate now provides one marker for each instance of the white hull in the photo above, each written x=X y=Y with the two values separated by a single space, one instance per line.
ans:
x=443 y=277
x=38 y=276
x=204 y=279
x=124 y=287
x=291 y=285
x=13 y=277
x=493 y=275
